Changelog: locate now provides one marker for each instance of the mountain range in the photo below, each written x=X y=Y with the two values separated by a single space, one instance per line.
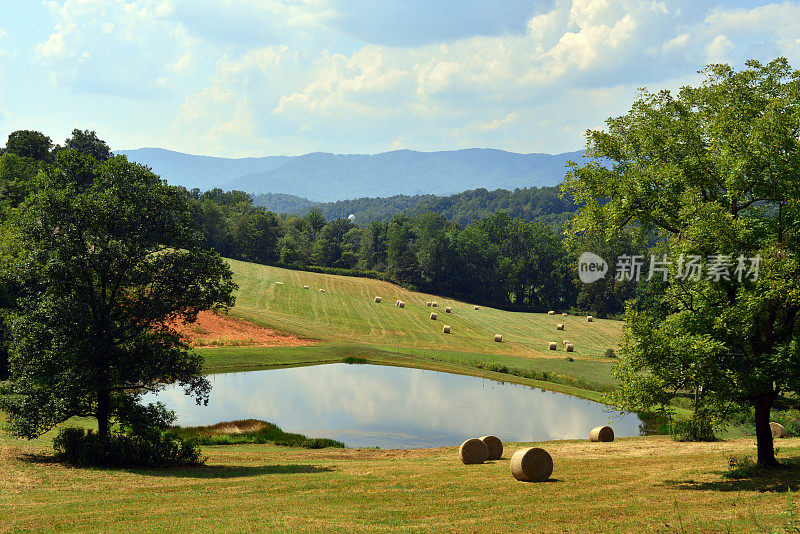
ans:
x=326 y=177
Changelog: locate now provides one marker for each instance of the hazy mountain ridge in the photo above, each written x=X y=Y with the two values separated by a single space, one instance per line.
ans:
x=326 y=177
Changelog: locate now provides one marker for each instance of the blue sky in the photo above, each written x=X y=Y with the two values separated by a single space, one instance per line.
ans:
x=269 y=77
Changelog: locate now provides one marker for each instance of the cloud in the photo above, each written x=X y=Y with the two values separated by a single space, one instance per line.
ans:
x=115 y=47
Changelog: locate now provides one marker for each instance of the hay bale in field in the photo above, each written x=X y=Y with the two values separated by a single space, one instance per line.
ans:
x=448 y=309
x=777 y=430
x=551 y=312
x=569 y=347
x=564 y=314
x=433 y=304
x=378 y=300
x=498 y=338
x=565 y=342
x=532 y=465
x=494 y=445
x=589 y=319
x=433 y=316
x=473 y=451
x=560 y=326
x=477 y=307
x=305 y=287
x=553 y=345
x=401 y=304
x=397 y=302
x=428 y=303
x=322 y=291
x=279 y=283
x=446 y=329
x=601 y=433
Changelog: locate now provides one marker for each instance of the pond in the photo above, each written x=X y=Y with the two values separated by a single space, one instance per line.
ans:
x=394 y=407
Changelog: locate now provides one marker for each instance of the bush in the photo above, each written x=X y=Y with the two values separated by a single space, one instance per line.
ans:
x=610 y=353
x=698 y=428
x=741 y=467
x=252 y=431
x=154 y=449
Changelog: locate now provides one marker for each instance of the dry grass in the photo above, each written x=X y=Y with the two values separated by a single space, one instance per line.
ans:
x=631 y=485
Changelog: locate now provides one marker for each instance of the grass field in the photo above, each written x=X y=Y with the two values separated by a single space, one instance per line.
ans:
x=348 y=322
x=647 y=484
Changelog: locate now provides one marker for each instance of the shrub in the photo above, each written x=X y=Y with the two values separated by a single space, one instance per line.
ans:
x=354 y=360
x=610 y=353
x=741 y=467
x=698 y=428
x=154 y=449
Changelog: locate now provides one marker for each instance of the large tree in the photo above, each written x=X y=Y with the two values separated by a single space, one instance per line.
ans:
x=714 y=170
x=108 y=261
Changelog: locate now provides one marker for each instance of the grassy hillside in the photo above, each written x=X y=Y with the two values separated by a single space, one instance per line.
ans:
x=346 y=313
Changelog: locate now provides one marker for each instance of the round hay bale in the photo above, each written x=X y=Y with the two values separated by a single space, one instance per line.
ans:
x=446 y=329
x=494 y=445
x=477 y=307
x=401 y=304
x=397 y=303
x=553 y=345
x=564 y=314
x=498 y=338
x=305 y=287
x=564 y=342
x=551 y=312
x=589 y=319
x=433 y=317
x=448 y=309
x=378 y=300
x=428 y=303
x=322 y=291
x=532 y=465
x=560 y=326
x=777 y=430
x=601 y=433
x=569 y=347
x=473 y=451
x=433 y=304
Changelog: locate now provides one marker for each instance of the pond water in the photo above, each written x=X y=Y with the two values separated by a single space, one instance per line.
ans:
x=394 y=407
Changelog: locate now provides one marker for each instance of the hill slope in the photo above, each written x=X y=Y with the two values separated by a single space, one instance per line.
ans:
x=346 y=313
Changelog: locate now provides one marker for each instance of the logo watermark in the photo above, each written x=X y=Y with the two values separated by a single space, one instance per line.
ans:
x=714 y=267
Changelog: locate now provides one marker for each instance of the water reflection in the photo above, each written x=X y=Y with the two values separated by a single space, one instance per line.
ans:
x=394 y=407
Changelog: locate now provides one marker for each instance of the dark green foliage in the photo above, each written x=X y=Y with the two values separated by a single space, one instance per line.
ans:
x=105 y=257
x=353 y=360
x=82 y=448
x=610 y=353
x=252 y=431
x=29 y=144
x=697 y=428
x=86 y=142
x=790 y=419
x=546 y=376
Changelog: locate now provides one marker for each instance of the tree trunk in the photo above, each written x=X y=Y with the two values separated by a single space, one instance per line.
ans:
x=103 y=413
x=766 y=452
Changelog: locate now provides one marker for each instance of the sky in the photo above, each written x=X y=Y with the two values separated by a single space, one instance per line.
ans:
x=287 y=77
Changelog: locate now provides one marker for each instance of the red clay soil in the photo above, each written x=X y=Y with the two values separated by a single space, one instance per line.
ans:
x=214 y=330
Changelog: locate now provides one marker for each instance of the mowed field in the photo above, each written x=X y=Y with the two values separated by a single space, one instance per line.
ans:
x=346 y=313
x=648 y=484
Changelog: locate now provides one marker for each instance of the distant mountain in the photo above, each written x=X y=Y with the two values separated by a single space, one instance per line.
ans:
x=325 y=177
x=544 y=204
x=203 y=172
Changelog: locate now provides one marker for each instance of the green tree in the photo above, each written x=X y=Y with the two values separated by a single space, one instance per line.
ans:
x=29 y=144
x=106 y=267
x=87 y=142
x=713 y=169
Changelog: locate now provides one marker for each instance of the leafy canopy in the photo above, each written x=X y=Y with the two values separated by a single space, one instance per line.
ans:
x=713 y=170
x=107 y=260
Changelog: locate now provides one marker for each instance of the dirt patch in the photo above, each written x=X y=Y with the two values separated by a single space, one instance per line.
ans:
x=215 y=330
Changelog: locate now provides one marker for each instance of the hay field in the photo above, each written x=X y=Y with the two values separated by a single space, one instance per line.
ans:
x=346 y=313
x=649 y=484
